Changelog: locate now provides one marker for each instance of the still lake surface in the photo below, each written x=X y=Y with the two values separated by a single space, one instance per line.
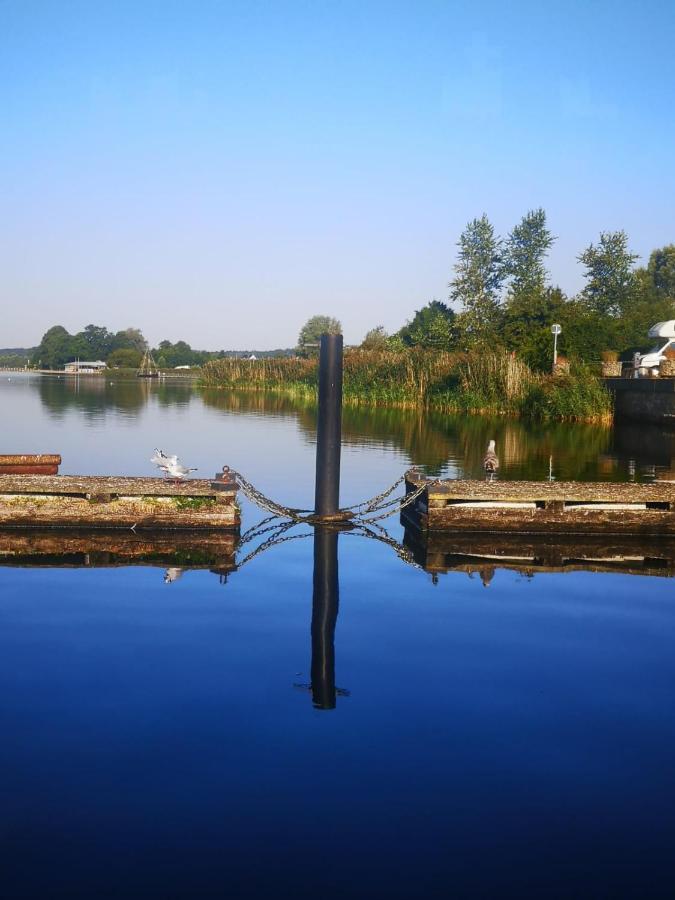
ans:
x=510 y=735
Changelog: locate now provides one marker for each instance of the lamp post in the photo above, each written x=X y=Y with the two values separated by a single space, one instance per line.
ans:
x=555 y=331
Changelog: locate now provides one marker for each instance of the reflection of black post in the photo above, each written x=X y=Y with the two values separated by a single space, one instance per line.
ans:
x=324 y=617
x=329 y=426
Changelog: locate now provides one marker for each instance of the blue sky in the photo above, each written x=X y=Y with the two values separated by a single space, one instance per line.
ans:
x=219 y=172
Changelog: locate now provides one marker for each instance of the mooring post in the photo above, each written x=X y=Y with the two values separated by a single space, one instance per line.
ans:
x=329 y=426
x=325 y=601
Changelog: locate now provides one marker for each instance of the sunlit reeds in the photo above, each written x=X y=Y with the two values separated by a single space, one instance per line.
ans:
x=481 y=382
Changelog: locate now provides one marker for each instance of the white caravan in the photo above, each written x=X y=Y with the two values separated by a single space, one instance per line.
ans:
x=666 y=332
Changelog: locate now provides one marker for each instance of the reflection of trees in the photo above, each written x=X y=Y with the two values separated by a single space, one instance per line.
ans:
x=96 y=396
x=431 y=438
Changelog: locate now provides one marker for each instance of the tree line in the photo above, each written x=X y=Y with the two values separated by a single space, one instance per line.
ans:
x=121 y=349
x=503 y=297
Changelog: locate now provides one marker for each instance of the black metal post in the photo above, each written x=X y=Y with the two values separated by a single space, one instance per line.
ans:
x=329 y=426
x=324 y=617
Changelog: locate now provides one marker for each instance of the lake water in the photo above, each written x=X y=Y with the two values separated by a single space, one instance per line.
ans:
x=164 y=737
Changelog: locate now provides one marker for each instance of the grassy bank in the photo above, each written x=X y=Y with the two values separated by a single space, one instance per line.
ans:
x=495 y=383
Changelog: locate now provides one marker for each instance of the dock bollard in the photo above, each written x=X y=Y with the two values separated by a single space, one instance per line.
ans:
x=329 y=426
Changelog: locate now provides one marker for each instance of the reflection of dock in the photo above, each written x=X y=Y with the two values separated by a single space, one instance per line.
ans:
x=38 y=501
x=80 y=549
x=529 y=554
x=532 y=507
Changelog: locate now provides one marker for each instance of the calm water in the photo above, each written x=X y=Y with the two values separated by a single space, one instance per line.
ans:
x=160 y=738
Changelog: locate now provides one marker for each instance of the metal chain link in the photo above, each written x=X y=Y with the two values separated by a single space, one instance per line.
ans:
x=361 y=512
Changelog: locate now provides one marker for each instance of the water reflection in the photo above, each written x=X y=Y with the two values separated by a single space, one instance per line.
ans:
x=96 y=396
x=482 y=554
x=446 y=445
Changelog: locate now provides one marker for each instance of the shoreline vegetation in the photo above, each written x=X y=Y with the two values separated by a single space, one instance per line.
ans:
x=494 y=383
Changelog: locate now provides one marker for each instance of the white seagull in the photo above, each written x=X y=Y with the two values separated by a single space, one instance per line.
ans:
x=162 y=461
x=491 y=461
x=177 y=470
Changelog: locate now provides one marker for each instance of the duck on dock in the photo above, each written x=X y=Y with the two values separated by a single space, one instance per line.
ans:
x=491 y=460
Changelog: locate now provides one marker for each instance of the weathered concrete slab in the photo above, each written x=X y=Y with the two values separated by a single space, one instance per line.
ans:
x=34 y=501
x=543 y=507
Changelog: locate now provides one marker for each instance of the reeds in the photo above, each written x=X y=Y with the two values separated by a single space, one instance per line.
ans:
x=479 y=382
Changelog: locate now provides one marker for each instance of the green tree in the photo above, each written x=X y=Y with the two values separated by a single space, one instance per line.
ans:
x=55 y=349
x=95 y=341
x=609 y=274
x=129 y=339
x=661 y=269
x=125 y=358
x=479 y=275
x=527 y=325
x=375 y=339
x=524 y=254
x=431 y=327
x=311 y=331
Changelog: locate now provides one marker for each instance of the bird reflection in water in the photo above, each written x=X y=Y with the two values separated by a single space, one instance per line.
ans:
x=173 y=573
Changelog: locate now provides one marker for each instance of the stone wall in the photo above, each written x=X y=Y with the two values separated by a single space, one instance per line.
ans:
x=643 y=399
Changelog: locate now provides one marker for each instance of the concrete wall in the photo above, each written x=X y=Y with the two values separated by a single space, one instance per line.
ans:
x=643 y=399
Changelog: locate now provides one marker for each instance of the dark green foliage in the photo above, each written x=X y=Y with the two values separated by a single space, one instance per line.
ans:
x=125 y=359
x=661 y=270
x=527 y=325
x=579 y=396
x=433 y=326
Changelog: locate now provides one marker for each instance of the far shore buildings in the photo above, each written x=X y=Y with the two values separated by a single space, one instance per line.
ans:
x=84 y=367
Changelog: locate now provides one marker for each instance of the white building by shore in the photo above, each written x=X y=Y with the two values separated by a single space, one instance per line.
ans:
x=84 y=367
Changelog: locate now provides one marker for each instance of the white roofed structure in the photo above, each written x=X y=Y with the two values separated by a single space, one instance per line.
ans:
x=663 y=329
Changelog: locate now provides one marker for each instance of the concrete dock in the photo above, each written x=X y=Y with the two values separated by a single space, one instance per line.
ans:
x=532 y=507
x=66 y=501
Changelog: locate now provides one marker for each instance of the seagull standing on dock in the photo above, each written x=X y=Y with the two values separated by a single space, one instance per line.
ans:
x=177 y=470
x=491 y=461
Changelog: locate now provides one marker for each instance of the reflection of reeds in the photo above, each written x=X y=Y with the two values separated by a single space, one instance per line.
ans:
x=485 y=382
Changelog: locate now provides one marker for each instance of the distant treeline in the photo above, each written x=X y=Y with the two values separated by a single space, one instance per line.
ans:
x=122 y=349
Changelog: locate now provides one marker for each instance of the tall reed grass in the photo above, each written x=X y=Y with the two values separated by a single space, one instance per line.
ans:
x=476 y=382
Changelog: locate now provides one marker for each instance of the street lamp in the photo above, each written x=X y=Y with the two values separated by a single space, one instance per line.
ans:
x=555 y=331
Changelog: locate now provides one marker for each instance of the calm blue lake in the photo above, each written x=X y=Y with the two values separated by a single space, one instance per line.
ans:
x=510 y=735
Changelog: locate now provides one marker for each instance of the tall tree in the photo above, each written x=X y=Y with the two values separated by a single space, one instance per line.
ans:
x=479 y=275
x=609 y=274
x=524 y=254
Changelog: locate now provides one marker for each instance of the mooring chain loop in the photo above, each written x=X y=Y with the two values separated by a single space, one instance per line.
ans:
x=361 y=512
x=361 y=530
